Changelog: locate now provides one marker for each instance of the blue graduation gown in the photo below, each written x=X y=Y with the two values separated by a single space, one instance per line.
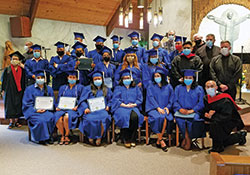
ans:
x=59 y=75
x=95 y=55
x=41 y=124
x=136 y=73
x=90 y=124
x=147 y=74
x=109 y=72
x=163 y=57
x=190 y=100
x=121 y=115
x=174 y=54
x=31 y=65
x=141 y=54
x=159 y=97
x=118 y=55
x=76 y=91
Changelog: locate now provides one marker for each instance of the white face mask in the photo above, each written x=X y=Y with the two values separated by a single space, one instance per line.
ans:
x=26 y=48
x=224 y=51
x=14 y=62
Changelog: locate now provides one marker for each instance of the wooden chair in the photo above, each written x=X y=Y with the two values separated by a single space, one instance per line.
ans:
x=148 y=135
x=228 y=164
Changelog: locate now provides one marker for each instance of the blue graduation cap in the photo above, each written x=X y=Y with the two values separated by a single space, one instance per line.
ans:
x=78 y=45
x=60 y=44
x=130 y=50
x=161 y=71
x=189 y=72
x=36 y=47
x=96 y=73
x=18 y=54
x=116 y=38
x=125 y=72
x=79 y=35
x=105 y=50
x=134 y=34
x=40 y=72
x=156 y=36
x=74 y=72
x=99 y=39
x=180 y=38
x=151 y=52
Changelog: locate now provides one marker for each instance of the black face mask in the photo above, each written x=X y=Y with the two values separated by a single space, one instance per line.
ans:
x=197 y=42
x=99 y=47
x=78 y=54
x=60 y=53
x=107 y=59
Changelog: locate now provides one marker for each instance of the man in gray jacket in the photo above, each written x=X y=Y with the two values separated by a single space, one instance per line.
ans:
x=226 y=69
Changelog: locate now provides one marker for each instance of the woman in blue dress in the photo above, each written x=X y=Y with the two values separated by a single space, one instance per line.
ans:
x=159 y=101
x=41 y=122
x=94 y=124
x=188 y=105
x=67 y=119
x=126 y=101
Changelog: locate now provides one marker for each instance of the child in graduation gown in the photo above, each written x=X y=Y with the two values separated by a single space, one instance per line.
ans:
x=95 y=124
x=159 y=101
x=41 y=122
x=67 y=119
x=126 y=101
x=188 y=105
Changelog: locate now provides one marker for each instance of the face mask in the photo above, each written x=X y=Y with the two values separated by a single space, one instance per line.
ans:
x=98 y=83
x=155 y=43
x=211 y=91
x=130 y=60
x=171 y=38
x=98 y=47
x=78 y=54
x=197 y=42
x=40 y=81
x=127 y=82
x=224 y=51
x=26 y=48
x=134 y=42
x=153 y=60
x=157 y=79
x=115 y=45
x=188 y=81
x=209 y=44
x=107 y=59
x=187 y=51
x=14 y=62
x=71 y=81
x=76 y=41
x=178 y=47
x=37 y=54
x=60 y=53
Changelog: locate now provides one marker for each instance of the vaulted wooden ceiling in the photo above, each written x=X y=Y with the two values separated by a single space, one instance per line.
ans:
x=96 y=12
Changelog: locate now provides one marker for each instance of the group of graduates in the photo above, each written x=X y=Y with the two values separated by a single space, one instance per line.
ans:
x=134 y=83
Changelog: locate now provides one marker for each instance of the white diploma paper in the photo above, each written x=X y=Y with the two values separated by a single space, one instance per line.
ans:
x=96 y=104
x=67 y=103
x=46 y=103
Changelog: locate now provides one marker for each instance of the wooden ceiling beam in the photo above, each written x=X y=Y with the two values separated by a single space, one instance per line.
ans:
x=33 y=11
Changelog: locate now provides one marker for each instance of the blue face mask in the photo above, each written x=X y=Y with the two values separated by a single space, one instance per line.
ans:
x=75 y=41
x=115 y=45
x=71 y=81
x=127 y=82
x=211 y=92
x=171 y=37
x=209 y=43
x=188 y=81
x=157 y=79
x=40 y=81
x=186 y=51
x=37 y=54
x=155 y=43
x=98 y=83
x=134 y=42
x=153 y=60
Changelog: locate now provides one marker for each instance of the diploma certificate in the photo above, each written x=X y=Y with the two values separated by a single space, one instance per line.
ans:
x=67 y=102
x=96 y=104
x=46 y=103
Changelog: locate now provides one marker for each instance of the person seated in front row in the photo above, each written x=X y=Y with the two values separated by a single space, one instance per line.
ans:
x=221 y=112
x=94 y=124
x=126 y=102
x=188 y=105
x=41 y=122
x=159 y=101
x=67 y=119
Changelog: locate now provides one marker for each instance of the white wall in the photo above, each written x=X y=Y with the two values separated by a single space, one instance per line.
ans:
x=176 y=16
x=48 y=32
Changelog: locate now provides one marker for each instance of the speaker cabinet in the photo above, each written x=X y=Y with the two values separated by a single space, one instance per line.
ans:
x=20 y=26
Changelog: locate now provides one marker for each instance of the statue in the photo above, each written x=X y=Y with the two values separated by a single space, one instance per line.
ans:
x=229 y=25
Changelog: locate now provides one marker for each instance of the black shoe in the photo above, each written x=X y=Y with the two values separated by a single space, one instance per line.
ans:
x=158 y=145
x=50 y=141
x=243 y=135
x=42 y=142
x=218 y=149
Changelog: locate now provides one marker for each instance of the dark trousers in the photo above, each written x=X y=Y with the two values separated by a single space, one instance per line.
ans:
x=129 y=134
